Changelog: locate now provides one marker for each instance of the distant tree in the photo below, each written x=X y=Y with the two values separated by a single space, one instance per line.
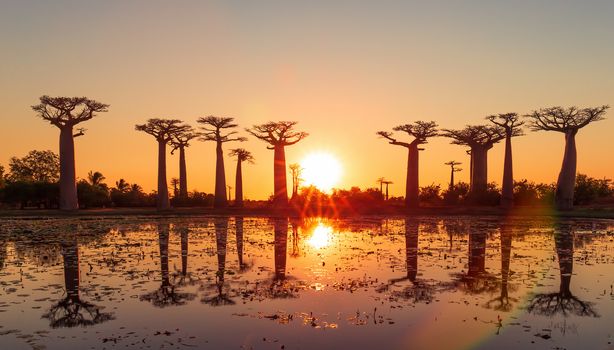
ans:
x=2 y=176
x=480 y=139
x=421 y=131
x=174 y=185
x=65 y=113
x=387 y=182
x=242 y=156
x=214 y=130
x=430 y=194
x=278 y=135
x=295 y=172
x=163 y=130
x=567 y=121
x=588 y=189
x=122 y=186
x=512 y=127
x=453 y=169
x=180 y=141
x=381 y=181
x=36 y=166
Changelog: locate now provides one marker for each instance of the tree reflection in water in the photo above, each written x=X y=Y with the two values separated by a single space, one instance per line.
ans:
x=476 y=280
x=420 y=290
x=184 y=278
x=504 y=302
x=239 y=229
x=563 y=301
x=72 y=311
x=221 y=289
x=167 y=294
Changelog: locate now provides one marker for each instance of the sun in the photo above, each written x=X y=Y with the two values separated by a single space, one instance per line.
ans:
x=321 y=170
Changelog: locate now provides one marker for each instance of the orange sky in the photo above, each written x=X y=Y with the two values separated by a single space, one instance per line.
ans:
x=343 y=70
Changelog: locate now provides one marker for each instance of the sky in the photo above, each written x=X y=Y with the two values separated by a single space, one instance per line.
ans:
x=342 y=69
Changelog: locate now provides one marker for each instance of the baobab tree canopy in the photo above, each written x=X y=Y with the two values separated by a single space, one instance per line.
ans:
x=68 y=111
x=213 y=131
x=278 y=135
x=183 y=138
x=565 y=120
x=421 y=131
x=163 y=129
x=510 y=122
x=480 y=138
x=242 y=155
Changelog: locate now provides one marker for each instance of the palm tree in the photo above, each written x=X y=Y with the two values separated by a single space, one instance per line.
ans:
x=242 y=156
x=65 y=113
x=213 y=131
x=420 y=131
x=278 y=135
x=122 y=186
x=567 y=121
x=162 y=130
x=95 y=178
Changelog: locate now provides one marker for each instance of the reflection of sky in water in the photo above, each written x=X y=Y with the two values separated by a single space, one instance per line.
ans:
x=365 y=283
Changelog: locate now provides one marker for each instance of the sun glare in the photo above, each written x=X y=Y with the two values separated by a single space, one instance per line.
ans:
x=321 y=236
x=321 y=170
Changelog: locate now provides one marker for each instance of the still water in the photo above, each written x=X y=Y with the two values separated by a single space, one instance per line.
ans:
x=262 y=283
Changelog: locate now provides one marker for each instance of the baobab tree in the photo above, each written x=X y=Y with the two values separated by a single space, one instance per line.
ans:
x=453 y=169
x=480 y=139
x=295 y=172
x=180 y=141
x=568 y=121
x=381 y=181
x=420 y=131
x=242 y=155
x=278 y=135
x=65 y=113
x=163 y=130
x=213 y=130
x=512 y=127
x=387 y=182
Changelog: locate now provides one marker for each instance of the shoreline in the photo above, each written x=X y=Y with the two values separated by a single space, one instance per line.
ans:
x=579 y=212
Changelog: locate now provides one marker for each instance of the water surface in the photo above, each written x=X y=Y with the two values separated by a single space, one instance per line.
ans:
x=259 y=283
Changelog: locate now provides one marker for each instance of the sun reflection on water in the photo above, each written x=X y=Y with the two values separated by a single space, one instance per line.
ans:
x=321 y=237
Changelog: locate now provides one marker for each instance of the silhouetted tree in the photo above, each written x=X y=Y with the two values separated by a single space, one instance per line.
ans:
x=65 y=113
x=213 y=130
x=453 y=169
x=387 y=182
x=180 y=141
x=36 y=166
x=480 y=139
x=163 y=130
x=73 y=311
x=420 y=131
x=381 y=181
x=175 y=186
x=563 y=301
x=242 y=156
x=567 y=121
x=512 y=127
x=278 y=135
x=295 y=172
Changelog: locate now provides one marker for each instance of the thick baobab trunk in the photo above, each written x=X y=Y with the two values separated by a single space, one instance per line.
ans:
x=239 y=186
x=163 y=202
x=280 y=198
x=564 y=250
x=507 y=186
x=567 y=177
x=68 y=183
x=411 y=248
x=412 y=183
x=220 y=201
x=479 y=173
x=183 y=175
x=281 y=246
